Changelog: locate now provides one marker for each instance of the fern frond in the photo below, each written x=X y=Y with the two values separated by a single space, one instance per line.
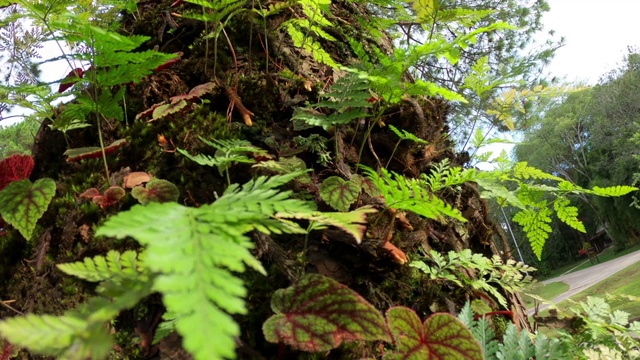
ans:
x=568 y=214
x=536 y=226
x=228 y=152
x=195 y=250
x=78 y=334
x=619 y=190
x=409 y=194
x=522 y=170
x=100 y=268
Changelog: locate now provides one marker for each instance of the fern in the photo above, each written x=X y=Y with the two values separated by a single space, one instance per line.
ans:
x=195 y=250
x=100 y=268
x=78 y=334
x=410 y=194
x=301 y=29
x=490 y=274
x=568 y=214
x=228 y=152
x=535 y=223
x=347 y=98
x=619 y=190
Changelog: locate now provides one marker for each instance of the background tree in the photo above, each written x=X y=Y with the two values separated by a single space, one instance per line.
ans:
x=586 y=139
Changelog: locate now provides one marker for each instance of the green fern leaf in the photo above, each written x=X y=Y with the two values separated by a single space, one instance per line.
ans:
x=613 y=190
x=568 y=214
x=536 y=226
x=523 y=171
x=353 y=222
x=100 y=268
x=409 y=194
x=195 y=250
x=228 y=152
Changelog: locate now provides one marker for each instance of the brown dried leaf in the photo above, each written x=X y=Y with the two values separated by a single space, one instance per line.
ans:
x=397 y=254
x=135 y=178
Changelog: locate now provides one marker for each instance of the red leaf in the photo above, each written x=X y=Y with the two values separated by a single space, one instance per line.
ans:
x=90 y=193
x=442 y=336
x=72 y=77
x=111 y=197
x=15 y=167
x=318 y=313
x=92 y=152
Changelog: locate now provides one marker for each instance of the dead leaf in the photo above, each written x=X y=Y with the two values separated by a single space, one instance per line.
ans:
x=402 y=220
x=397 y=254
x=135 y=178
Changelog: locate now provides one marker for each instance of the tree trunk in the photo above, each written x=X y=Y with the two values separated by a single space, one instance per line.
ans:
x=258 y=68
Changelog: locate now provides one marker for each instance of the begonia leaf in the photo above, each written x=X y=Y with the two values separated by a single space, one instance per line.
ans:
x=22 y=203
x=156 y=190
x=442 y=336
x=339 y=193
x=92 y=151
x=318 y=313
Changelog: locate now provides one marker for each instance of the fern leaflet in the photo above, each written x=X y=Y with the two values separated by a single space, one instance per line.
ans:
x=410 y=194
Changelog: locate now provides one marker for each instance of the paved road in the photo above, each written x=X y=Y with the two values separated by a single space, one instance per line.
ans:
x=583 y=279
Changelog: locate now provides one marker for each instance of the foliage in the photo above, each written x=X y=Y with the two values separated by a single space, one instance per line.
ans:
x=339 y=193
x=514 y=344
x=17 y=138
x=410 y=194
x=488 y=275
x=22 y=203
x=194 y=257
x=156 y=190
x=190 y=256
x=584 y=140
x=317 y=314
x=441 y=336
x=15 y=167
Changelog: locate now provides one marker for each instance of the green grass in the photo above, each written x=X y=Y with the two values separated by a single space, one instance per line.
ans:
x=547 y=292
x=624 y=282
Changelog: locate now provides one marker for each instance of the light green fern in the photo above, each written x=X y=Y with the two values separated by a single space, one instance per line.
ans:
x=100 y=268
x=568 y=214
x=410 y=194
x=228 y=152
x=490 y=274
x=535 y=223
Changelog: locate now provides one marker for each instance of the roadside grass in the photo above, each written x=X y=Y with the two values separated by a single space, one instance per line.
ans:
x=624 y=282
x=547 y=292
x=612 y=289
x=604 y=256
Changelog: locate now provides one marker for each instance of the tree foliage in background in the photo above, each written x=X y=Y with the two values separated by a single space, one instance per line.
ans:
x=588 y=139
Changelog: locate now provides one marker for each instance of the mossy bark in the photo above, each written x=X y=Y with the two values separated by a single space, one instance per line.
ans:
x=254 y=72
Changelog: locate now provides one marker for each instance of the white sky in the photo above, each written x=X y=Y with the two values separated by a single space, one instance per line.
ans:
x=596 y=33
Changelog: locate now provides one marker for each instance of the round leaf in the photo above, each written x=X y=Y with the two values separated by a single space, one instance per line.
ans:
x=338 y=193
x=22 y=203
x=318 y=313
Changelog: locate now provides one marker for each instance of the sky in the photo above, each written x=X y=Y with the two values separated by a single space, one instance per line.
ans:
x=596 y=33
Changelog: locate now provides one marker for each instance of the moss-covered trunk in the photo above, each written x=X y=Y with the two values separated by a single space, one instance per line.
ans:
x=255 y=67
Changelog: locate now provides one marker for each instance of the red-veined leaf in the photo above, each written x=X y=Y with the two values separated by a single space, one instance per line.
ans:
x=156 y=190
x=338 y=193
x=442 y=336
x=92 y=152
x=318 y=313
x=22 y=203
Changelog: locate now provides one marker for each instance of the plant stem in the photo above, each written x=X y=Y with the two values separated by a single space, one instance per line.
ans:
x=368 y=132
